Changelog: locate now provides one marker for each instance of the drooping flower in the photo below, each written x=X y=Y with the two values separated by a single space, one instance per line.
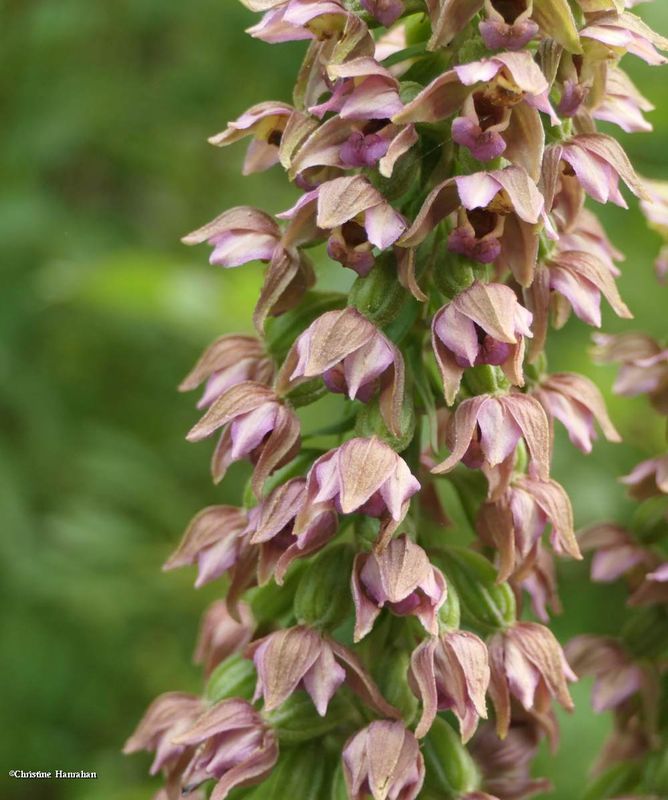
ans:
x=626 y=33
x=220 y=634
x=644 y=365
x=341 y=143
x=514 y=523
x=293 y=20
x=654 y=588
x=485 y=430
x=598 y=162
x=400 y=578
x=576 y=402
x=508 y=27
x=648 y=479
x=266 y=123
x=230 y=360
x=497 y=218
x=539 y=581
x=233 y=745
x=497 y=101
x=572 y=279
x=385 y=11
x=168 y=715
x=383 y=760
x=271 y=527
x=256 y=425
x=300 y=657
x=451 y=671
x=484 y=324
x=245 y=234
x=554 y=18
x=213 y=540
x=527 y=663
x=505 y=764
x=655 y=209
x=353 y=357
x=365 y=476
x=623 y=104
x=616 y=676
x=354 y=218
x=616 y=552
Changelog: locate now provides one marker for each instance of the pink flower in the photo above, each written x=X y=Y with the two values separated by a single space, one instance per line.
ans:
x=515 y=523
x=385 y=11
x=654 y=588
x=576 y=402
x=166 y=717
x=355 y=217
x=302 y=658
x=213 y=540
x=598 y=162
x=256 y=426
x=221 y=635
x=506 y=763
x=364 y=476
x=266 y=123
x=383 y=760
x=271 y=528
x=230 y=360
x=238 y=236
x=616 y=676
x=626 y=33
x=644 y=365
x=497 y=101
x=246 y=234
x=648 y=479
x=616 y=552
x=347 y=144
x=401 y=578
x=292 y=20
x=623 y=104
x=484 y=324
x=362 y=89
x=528 y=663
x=234 y=745
x=486 y=429
x=497 y=218
x=539 y=581
x=451 y=671
x=353 y=357
x=572 y=279
x=507 y=29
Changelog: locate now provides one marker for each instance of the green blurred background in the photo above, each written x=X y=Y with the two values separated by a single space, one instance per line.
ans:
x=104 y=165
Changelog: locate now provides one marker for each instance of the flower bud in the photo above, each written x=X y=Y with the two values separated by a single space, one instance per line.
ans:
x=370 y=422
x=379 y=296
x=485 y=604
x=323 y=596
x=450 y=768
x=270 y=602
x=383 y=760
x=298 y=722
x=234 y=677
x=299 y=773
x=393 y=684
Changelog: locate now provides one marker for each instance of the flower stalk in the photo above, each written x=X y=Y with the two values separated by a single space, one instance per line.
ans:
x=442 y=152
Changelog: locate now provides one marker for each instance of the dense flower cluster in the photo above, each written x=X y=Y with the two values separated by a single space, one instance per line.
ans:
x=443 y=151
